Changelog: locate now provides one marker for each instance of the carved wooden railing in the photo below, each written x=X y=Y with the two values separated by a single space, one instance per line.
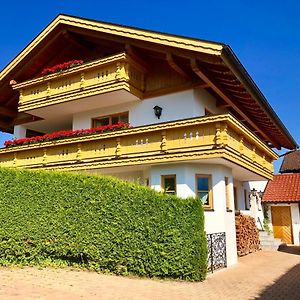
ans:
x=97 y=77
x=218 y=136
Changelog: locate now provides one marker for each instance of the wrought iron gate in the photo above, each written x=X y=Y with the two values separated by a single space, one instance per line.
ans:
x=216 y=243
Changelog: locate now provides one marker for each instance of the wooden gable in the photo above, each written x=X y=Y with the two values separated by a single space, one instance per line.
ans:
x=191 y=63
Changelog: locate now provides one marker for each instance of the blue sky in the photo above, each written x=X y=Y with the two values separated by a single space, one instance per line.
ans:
x=264 y=35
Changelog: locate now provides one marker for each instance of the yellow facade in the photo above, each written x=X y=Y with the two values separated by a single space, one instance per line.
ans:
x=218 y=136
x=100 y=76
x=135 y=64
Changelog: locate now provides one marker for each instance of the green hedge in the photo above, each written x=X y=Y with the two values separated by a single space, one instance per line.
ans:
x=101 y=223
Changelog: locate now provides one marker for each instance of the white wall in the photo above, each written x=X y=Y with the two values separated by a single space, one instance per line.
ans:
x=206 y=100
x=295 y=223
x=217 y=220
x=19 y=131
x=176 y=106
x=240 y=194
x=182 y=105
x=184 y=186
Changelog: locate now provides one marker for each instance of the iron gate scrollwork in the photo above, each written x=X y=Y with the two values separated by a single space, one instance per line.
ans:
x=216 y=243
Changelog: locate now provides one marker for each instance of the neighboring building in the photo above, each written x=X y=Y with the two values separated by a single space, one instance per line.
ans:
x=282 y=199
x=201 y=127
x=291 y=163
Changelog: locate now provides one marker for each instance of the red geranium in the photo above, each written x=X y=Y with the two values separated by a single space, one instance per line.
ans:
x=62 y=67
x=65 y=134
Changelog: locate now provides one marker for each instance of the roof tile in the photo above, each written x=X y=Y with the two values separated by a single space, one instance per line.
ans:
x=291 y=162
x=283 y=188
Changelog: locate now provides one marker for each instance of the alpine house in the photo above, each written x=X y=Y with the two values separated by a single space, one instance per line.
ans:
x=179 y=114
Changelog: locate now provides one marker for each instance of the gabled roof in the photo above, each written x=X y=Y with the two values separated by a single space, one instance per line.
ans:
x=284 y=188
x=213 y=63
x=291 y=163
x=118 y=30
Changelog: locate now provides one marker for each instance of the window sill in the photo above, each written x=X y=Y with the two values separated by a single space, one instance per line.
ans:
x=208 y=209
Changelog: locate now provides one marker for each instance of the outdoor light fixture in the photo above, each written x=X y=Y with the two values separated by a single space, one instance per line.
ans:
x=253 y=192
x=157 y=111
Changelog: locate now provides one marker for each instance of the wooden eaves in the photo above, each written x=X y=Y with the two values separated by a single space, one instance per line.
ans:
x=214 y=63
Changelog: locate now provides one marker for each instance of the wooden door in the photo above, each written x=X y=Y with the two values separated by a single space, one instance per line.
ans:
x=282 y=223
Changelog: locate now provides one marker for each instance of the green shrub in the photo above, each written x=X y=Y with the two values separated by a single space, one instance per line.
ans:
x=101 y=223
x=266 y=222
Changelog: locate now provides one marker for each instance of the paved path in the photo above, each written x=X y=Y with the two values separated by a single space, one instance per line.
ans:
x=263 y=275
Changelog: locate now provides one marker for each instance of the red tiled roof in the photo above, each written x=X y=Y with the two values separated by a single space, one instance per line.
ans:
x=283 y=188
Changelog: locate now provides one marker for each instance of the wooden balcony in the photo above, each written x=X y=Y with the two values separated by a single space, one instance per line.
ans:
x=100 y=76
x=217 y=136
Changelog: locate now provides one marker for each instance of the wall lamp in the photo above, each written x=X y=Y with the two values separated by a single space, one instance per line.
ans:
x=157 y=111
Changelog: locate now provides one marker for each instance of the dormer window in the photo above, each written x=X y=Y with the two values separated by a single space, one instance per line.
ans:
x=110 y=119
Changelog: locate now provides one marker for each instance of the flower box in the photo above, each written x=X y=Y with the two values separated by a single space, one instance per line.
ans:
x=65 y=134
x=62 y=67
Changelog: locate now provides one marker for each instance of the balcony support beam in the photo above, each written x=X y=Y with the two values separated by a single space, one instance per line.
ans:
x=175 y=66
x=202 y=74
x=136 y=57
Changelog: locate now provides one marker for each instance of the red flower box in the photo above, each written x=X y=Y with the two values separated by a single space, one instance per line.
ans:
x=65 y=134
x=62 y=67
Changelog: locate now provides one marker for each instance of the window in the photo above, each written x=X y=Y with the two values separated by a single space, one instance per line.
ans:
x=32 y=133
x=236 y=204
x=246 y=199
x=203 y=188
x=227 y=191
x=168 y=184
x=111 y=119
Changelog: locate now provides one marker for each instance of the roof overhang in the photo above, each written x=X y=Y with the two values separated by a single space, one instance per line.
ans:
x=214 y=63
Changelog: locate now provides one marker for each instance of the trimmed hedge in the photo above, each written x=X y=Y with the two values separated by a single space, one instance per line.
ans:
x=101 y=223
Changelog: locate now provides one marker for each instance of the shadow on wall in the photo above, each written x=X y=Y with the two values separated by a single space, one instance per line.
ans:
x=285 y=287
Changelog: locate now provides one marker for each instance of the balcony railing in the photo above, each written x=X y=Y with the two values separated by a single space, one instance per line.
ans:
x=100 y=76
x=218 y=136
